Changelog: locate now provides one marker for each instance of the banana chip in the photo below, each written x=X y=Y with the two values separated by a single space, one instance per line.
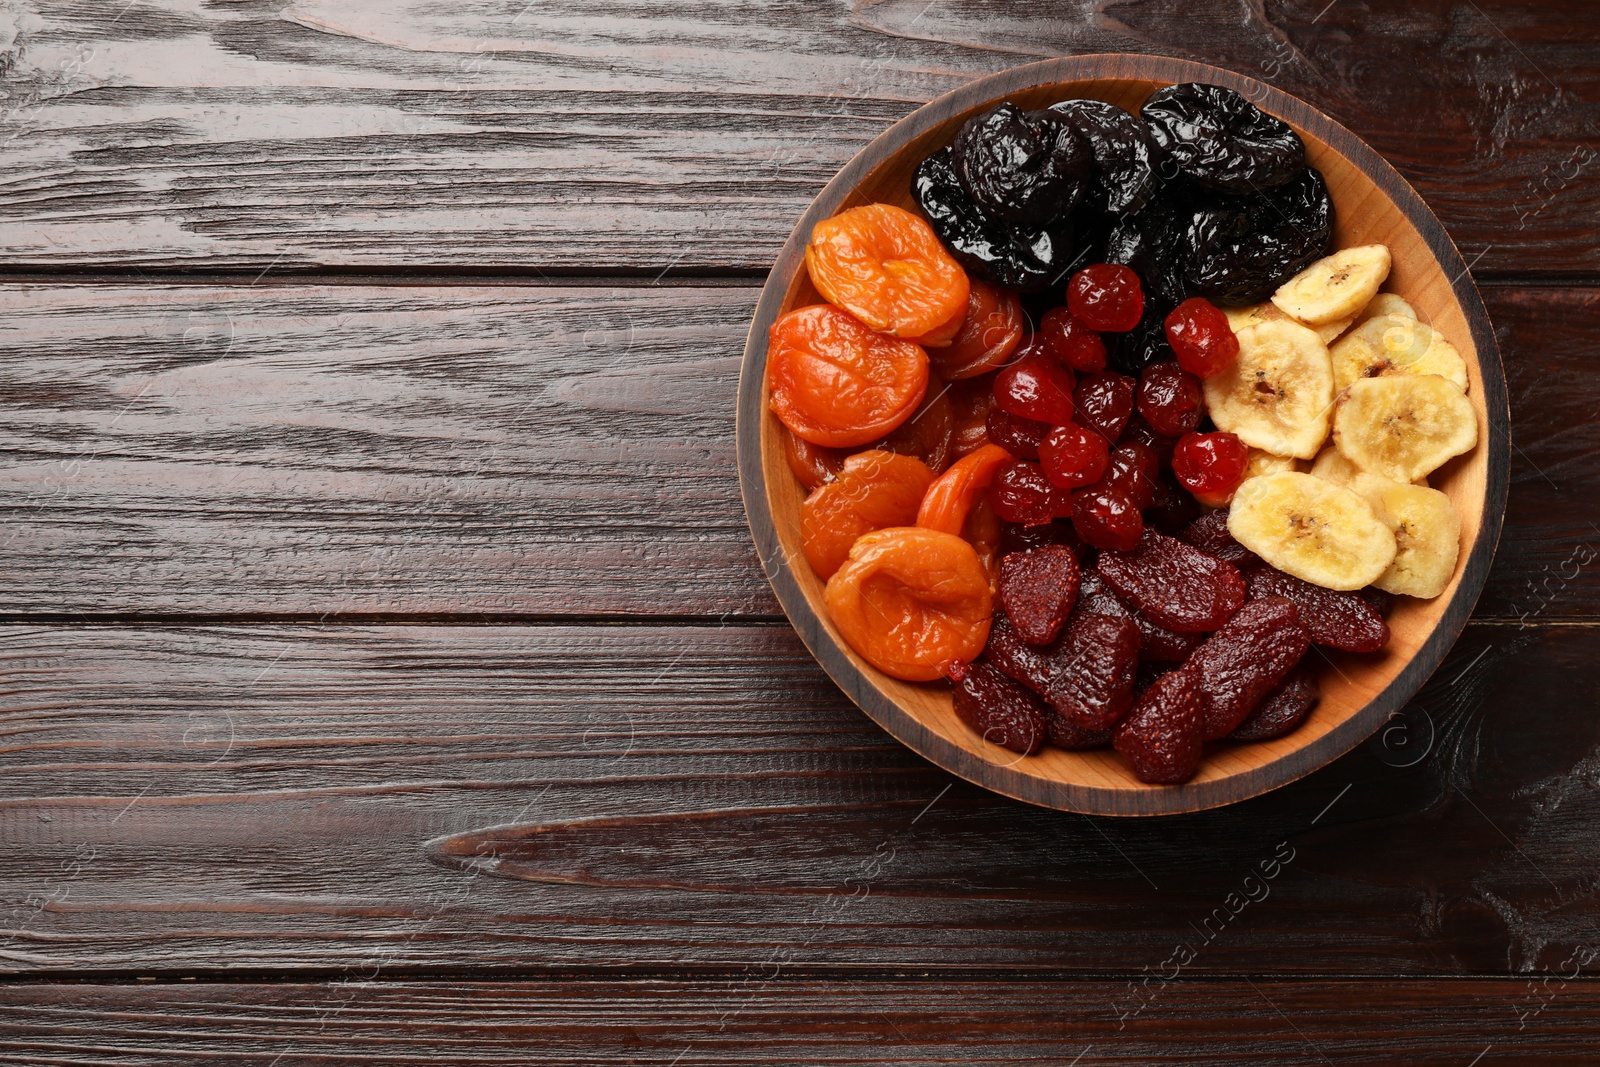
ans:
x=1405 y=426
x=1277 y=395
x=1394 y=344
x=1335 y=287
x=1319 y=532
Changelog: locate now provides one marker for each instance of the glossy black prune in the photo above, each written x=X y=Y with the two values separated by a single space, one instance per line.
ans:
x=1124 y=150
x=1222 y=141
x=1240 y=249
x=1019 y=258
x=1026 y=168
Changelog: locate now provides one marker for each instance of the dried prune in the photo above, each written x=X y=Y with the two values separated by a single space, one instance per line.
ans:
x=1021 y=258
x=1161 y=737
x=1146 y=343
x=1155 y=642
x=1020 y=437
x=1104 y=401
x=1174 y=584
x=1334 y=619
x=1124 y=150
x=1239 y=664
x=1027 y=168
x=998 y=709
x=1220 y=140
x=1282 y=709
x=1209 y=533
x=1038 y=590
x=1086 y=675
x=1239 y=250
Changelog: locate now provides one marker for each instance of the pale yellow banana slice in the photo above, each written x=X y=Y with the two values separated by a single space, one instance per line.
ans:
x=1394 y=344
x=1403 y=426
x=1331 y=466
x=1277 y=395
x=1335 y=287
x=1427 y=535
x=1385 y=304
x=1319 y=532
x=1262 y=463
x=1239 y=318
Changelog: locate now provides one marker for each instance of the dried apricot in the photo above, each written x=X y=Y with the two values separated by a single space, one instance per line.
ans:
x=836 y=383
x=990 y=331
x=886 y=267
x=873 y=490
x=971 y=400
x=951 y=497
x=912 y=602
x=984 y=531
x=812 y=464
x=929 y=434
x=998 y=709
x=943 y=334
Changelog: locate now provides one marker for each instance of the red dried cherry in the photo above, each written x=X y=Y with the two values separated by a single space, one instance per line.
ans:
x=1139 y=430
x=1073 y=457
x=1170 y=399
x=1017 y=538
x=1035 y=387
x=1161 y=737
x=1201 y=338
x=1020 y=437
x=1105 y=400
x=1038 y=590
x=1133 y=469
x=1106 y=296
x=1072 y=342
x=1210 y=465
x=1174 y=584
x=1106 y=518
x=1174 y=506
x=1022 y=494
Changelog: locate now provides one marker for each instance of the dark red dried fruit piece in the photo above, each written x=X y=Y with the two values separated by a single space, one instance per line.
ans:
x=1020 y=437
x=1087 y=675
x=1239 y=664
x=1022 y=494
x=1064 y=733
x=1161 y=737
x=1174 y=584
x=1380 y=600
x=1155 y=642
x=1209 y=533
x=1038 y=590
x=1001 y=711
x=1015 y=538
x=1335 y=619
x=1282 y=709
x=1174 y=506
x=1104 y=402
x=1106 y=518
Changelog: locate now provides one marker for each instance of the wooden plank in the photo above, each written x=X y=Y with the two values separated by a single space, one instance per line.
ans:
x=364 y=133
x=1449 y=1023
x=525 y=450
x=241 y=799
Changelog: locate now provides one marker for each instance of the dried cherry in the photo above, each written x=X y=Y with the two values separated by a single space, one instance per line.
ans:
x=1026 y=168
x=1106 y=518
x=1239 y=664
x=1173 y=508
x=1221 y=141
x=1038 y=590
x=1017 y=538
x=1020 y=437
x=1070 y=341
x=1201 y=338
x=835 y=382
x=1104 y=401
x=1161 y=737
x=886 y=267
x=912 y=602
x=1073 y=456
x=1210 y=465
x=1174 y=584
x=1022 y=494
x=1170 y=399
x=1132 y=470
x=1124 y=151
x=991 y=330
x=1106 y=297
x=1140 y=430
x=1035 y=387
x=874 y=490
x=1335 y=619
x=998 y=709
x=1283 y=708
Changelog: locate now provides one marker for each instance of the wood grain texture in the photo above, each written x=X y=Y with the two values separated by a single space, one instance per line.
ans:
x=532 y=450
x=248 y=799
x=907 y=1023
x=559 y=136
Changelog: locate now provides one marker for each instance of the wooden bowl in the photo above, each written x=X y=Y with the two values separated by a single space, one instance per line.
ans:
x=1359 y=692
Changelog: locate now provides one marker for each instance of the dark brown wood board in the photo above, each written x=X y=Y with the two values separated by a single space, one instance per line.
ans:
x=483 y=136
x=773 y=1019
x=509 y=450
x=514 y=799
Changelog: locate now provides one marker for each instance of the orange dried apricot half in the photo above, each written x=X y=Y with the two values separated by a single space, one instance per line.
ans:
x=951 y=497
x=873 y=490
x=886 y=266
x=835 y=382
x=989 y=334
x=912 y=601
x=813 y=464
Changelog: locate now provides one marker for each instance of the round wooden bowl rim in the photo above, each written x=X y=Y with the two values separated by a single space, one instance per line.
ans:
x=1077 y=797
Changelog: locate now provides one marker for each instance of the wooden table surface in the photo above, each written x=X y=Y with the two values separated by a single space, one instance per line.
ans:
x=370 y=508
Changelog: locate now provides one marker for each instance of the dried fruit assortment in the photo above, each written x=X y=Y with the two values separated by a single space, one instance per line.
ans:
x=1121 y=511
